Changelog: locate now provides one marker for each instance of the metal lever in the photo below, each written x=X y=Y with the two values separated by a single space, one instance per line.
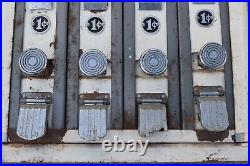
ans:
x=210 y=105
x=92 y=116
x=32 y=119
x=152 y=113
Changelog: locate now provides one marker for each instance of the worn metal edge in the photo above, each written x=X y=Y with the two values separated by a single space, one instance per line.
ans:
x=168 y=136
x=117 y=66
x=226 y=42
x=15 y=87
x=186 y=77
x=59 y=89
x=72 y=67
x=174 y=119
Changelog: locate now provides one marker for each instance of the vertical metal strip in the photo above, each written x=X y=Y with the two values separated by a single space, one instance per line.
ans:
x=15 y=72
x=186 y=78
x=58 y=114
x=72 y=65
x=173 y=68
x=226 y=42
x=117 y=67
x=129 y=66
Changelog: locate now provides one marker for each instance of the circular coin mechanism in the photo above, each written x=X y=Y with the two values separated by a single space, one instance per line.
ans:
x=153 y=62
x=33 y=62
x=212 y=56
x=93 y=63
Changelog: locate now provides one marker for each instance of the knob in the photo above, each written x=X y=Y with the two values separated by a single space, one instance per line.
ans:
x=93 y=63
x=33 y=62
x=153 y=62
x=212 y=56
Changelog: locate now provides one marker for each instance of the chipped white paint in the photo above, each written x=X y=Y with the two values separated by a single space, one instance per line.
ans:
x=145 y=41
x=7 y=32
x=100 y=41
x=43 y=41
x=239 y=44
x=202 y=35
x=72 y=153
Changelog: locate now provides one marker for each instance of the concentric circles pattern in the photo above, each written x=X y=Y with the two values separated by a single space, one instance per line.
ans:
x=93 y=63
x=153 y=62
x=212 y=56
x=33 y=62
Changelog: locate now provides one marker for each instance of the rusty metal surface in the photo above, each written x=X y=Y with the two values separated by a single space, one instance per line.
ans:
x=130 y=113
x=59 y=89
x=186 y=79
x=92 y=122
x=117 y=66
x=72 y=67
x=174 y=111
x=152 y=118
x=226 y=42
x=15 y=72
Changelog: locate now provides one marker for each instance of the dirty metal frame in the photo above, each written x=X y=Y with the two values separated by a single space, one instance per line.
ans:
x=117 y=67
x=186 y=65
x=54 y=134
x=130 y=112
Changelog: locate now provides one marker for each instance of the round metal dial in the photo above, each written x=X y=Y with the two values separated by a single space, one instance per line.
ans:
x=33 y=62
x=212 y=56
x=93 y=63
x=153 y=62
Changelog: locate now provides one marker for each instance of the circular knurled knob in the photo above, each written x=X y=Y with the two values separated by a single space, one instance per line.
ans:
x=212 y=56
x=93 y=63
x=153 y=62
x=33 y=62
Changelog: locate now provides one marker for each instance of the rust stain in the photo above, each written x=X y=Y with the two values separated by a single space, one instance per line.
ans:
x=203 y=135
x=52 y=136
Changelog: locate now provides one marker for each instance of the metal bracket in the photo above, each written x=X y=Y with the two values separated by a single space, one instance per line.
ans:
x=211 y=107
x=92 y=116
x=32 y=118
x=152 y=113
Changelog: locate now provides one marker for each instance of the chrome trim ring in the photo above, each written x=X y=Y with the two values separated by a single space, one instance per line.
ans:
x=33 y=62
x=93 y=63
x=153 y=62
x=212 y=56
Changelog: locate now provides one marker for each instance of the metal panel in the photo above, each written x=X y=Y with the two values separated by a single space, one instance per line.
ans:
x=150 y=6
x=129 y=70
x=40 y=5
x=173 y=113
x=95 y=6
x=72 y=67
x=16 y=73
x=226 y=42
x=59 y=89
x=117 y=66
x=186 y=79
